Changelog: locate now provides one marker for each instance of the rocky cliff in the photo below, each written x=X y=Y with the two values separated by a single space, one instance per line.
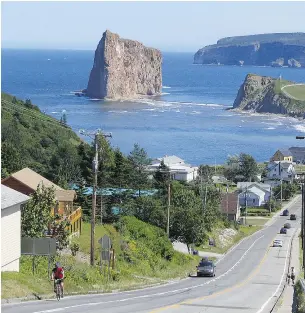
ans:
x=124 y=69
x=279 y=50
x=263 y=94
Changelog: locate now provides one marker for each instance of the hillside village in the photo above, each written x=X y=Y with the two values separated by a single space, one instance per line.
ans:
x=18 y=187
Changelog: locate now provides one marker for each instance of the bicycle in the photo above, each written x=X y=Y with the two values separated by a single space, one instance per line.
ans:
x=58 y=290
x=288 y=279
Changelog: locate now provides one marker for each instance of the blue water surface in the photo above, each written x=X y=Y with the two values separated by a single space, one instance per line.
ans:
x=189 y=119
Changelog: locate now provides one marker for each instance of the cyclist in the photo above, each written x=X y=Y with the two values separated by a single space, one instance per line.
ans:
x=292 y=275
x=58 y=274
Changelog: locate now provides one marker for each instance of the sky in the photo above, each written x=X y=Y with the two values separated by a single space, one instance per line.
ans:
x=168 y=26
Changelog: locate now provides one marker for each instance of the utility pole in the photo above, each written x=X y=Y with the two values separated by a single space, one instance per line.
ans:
x=168 y=204
x=95 y=170
x=303 y=214
x=227 y=203
x=281 y=184
x=246 y=204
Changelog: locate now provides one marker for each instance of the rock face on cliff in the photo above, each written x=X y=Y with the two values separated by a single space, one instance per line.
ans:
x=124 y=69
x=262 y=50
x=263 y=94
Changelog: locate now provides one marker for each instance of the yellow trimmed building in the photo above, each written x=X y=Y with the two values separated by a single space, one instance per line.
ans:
x=26 y=181
x=282 y=155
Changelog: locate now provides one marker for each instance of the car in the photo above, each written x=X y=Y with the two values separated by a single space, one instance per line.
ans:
x=206 y=268
x=293 y=217
x=287 y=225
x=283 y=230
x=285 y=212
x=277 y=243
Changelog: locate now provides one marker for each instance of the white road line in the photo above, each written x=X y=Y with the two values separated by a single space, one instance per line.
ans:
x=281 y=281
x=156 y=294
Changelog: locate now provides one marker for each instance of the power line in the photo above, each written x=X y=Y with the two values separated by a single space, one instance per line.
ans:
x=95 y=162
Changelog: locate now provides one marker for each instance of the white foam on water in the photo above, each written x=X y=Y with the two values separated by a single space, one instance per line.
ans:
x=165 y=93
x=269 y=128
x=54 y=112
x=196 y=112
x=300 y=128
x=208 y=104
x=166 y=87
x=95 y=99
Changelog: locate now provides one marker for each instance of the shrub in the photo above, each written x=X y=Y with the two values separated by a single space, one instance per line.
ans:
x=74 y=248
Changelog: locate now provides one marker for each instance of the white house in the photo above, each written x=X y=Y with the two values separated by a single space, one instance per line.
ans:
x=178 y=168
x=252 y=196
x=281 y=170
x=11 y=203
x=265 y=188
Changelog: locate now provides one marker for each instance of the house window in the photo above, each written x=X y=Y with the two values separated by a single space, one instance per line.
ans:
x=253 y=200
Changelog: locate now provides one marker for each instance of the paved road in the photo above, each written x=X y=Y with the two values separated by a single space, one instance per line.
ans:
x=247 y=277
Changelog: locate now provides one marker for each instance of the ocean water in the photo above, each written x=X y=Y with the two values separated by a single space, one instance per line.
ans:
x=188 y=120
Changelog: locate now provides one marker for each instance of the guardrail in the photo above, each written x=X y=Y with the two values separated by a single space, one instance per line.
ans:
x=302 y=281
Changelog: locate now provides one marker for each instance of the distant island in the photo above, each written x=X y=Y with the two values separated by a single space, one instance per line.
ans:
x=278 y=50
x=124 y=69
x=265 y=94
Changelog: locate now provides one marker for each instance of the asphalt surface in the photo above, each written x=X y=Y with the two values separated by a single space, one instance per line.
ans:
x=248 y=279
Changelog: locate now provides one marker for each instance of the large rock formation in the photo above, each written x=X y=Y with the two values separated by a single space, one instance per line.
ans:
x=263 y=50
x=124 y=69
x=263 y=94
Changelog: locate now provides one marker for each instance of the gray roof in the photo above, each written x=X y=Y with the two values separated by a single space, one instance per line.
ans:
x=172 y=159
x=243 y=185
x=285 y=152
x=10 y=197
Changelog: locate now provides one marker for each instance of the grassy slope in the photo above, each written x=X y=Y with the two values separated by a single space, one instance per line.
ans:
x=243 y=231
x=293 y=105
x=35 y=135
x=140 y=250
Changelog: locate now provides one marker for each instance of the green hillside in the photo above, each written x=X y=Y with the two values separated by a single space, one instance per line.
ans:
x=143 y=253
x=33 y=139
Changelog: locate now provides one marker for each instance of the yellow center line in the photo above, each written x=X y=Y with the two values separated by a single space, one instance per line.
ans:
x=189 y=301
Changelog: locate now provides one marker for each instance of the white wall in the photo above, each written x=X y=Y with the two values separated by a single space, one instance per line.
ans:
x=250 y=197
x=10 y=238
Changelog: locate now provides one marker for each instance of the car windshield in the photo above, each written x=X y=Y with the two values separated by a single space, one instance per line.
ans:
x=206 y=263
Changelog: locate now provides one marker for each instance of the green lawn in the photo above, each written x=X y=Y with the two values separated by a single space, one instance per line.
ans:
x=257 y=221
x=297 y=91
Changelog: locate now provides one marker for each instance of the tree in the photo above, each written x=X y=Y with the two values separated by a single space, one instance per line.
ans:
x=36 y=214
x=63 y=118
x=139 y=160
x=11 y=160
x=187 y=222
x=288 y=190
x=59 y=231
x=241 y=168
x=205 y=173
x=121 y=170
x=162 y=177
x=84 y=199
x=65 y=164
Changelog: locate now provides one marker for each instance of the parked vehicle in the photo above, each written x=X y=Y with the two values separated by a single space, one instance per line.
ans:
x=278 y=243
x=283 y=230
x=287 y=225
x=206 y=268
x=286 y=213
x=293 y=217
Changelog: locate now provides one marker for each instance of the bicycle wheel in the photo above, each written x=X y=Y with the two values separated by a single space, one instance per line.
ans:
x=58 y=291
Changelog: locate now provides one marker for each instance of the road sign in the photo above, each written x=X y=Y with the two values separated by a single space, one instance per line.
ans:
x=38 y=246
x=105 y=255
x=105 y=242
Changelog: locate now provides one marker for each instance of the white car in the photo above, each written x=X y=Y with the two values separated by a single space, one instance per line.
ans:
x=278 y=243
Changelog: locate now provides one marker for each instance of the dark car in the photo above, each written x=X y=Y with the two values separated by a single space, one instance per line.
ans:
x=287 y=225
x=206 y=268
x=285 y=212
x=283 y=230
x=293 y=217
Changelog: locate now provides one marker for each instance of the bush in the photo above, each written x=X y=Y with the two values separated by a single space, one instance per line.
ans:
x=74 y=248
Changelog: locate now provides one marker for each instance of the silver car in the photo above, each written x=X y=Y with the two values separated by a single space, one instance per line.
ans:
x=278 y=243
x=206 y=268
